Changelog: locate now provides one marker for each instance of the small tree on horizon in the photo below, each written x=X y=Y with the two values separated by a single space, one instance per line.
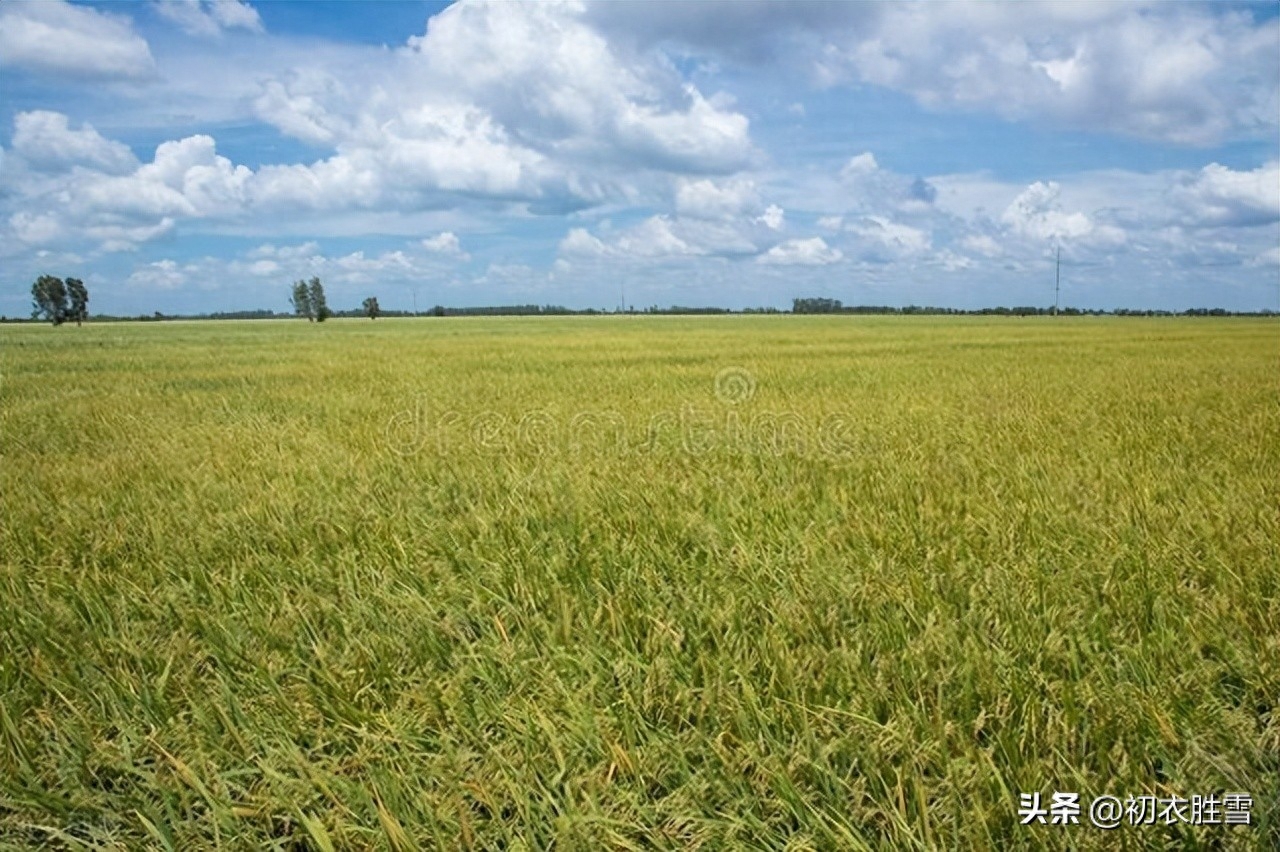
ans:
x=78 y=296
x=319 y=307
x=371 y=309
x=49 y=299
x=301 y=300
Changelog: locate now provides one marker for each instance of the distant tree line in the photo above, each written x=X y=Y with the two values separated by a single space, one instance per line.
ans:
x=58 y=301
x=834 y=306
x=816 y=306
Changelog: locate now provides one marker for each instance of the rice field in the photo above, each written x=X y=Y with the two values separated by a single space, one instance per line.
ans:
x=636 y=582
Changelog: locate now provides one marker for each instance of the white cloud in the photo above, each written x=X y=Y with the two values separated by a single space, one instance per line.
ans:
x=511 y=102
x=161 y=275
x=1219 y=196
x=654 y=237
x=773 y=218
x=867 y=187
x=294 y=252
x=581 y=243
x=811 y=252
x=1175 y=72
x=710 y=199
x=210 y=17
x=56 y=37
x=1270 y=257
x=889 y=240
x=290 y=108
x=662 y=238
x=544 y=69
x=1038 y=215
x=863 y=164
x=192 y=167
x=45 y=140
x=126 y=238
x=35 y=228
x=445 y=243
x=93 y=188
x=1179 y=72
x=982 y=244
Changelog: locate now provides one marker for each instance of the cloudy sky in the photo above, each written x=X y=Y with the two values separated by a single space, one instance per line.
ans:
x=199 y=156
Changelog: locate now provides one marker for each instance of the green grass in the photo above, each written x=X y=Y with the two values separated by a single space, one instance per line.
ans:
x=529 y=583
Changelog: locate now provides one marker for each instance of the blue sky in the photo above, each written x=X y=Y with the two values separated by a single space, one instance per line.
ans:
x=199 y=156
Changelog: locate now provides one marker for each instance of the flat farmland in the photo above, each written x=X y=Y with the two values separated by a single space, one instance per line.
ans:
x=636 y=582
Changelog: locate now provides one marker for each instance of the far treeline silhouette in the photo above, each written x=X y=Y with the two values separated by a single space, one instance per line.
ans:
x=59 y=301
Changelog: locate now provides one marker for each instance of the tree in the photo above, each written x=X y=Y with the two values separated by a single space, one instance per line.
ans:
x=371 y=308
x=49 y=299
x=78 y=295
x=301 y=300
x=816 y=306
x=319 y=308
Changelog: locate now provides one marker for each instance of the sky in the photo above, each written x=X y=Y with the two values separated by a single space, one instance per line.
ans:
x=190 y=156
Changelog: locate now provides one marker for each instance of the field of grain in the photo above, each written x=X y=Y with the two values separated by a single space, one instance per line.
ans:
x=635 y=582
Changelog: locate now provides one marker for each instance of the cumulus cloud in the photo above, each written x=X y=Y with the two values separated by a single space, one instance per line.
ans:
x=445 y=243
x=711 y=199
x=544 y=69
x=160 y=275
x=774 y=218
x=114 y=237
x=661 y=237
x=1184 y=73
x=579 y=242
x=210 y=17
x=982 y=244
x=35 y=228
x=655 y=237
x=288 y=253
x=294 y=107
x=45 y=140
x=1037 y=214
x=56 y=37
x=1218 y=196
x=884 y=239
x=523 y=103
x=801 y=252
x=869 y=187
x=94 y=188
x=1171 y=72
x=1270 y=257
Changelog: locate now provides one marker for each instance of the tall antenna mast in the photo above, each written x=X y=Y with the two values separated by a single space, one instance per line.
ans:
x=1057 y=280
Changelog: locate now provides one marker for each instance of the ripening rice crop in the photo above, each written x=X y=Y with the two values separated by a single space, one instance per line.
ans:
x=635 y=583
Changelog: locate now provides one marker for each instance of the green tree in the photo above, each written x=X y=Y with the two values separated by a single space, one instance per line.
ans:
x=319 y=307
x=301 y=300
x=49 y=299
x=371 y=308
x=78 y=296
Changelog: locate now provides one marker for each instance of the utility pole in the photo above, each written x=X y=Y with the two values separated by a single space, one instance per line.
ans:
x=415 y=301
x=1057 y=281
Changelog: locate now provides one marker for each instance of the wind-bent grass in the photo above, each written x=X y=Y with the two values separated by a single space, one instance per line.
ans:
x=523 y=583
